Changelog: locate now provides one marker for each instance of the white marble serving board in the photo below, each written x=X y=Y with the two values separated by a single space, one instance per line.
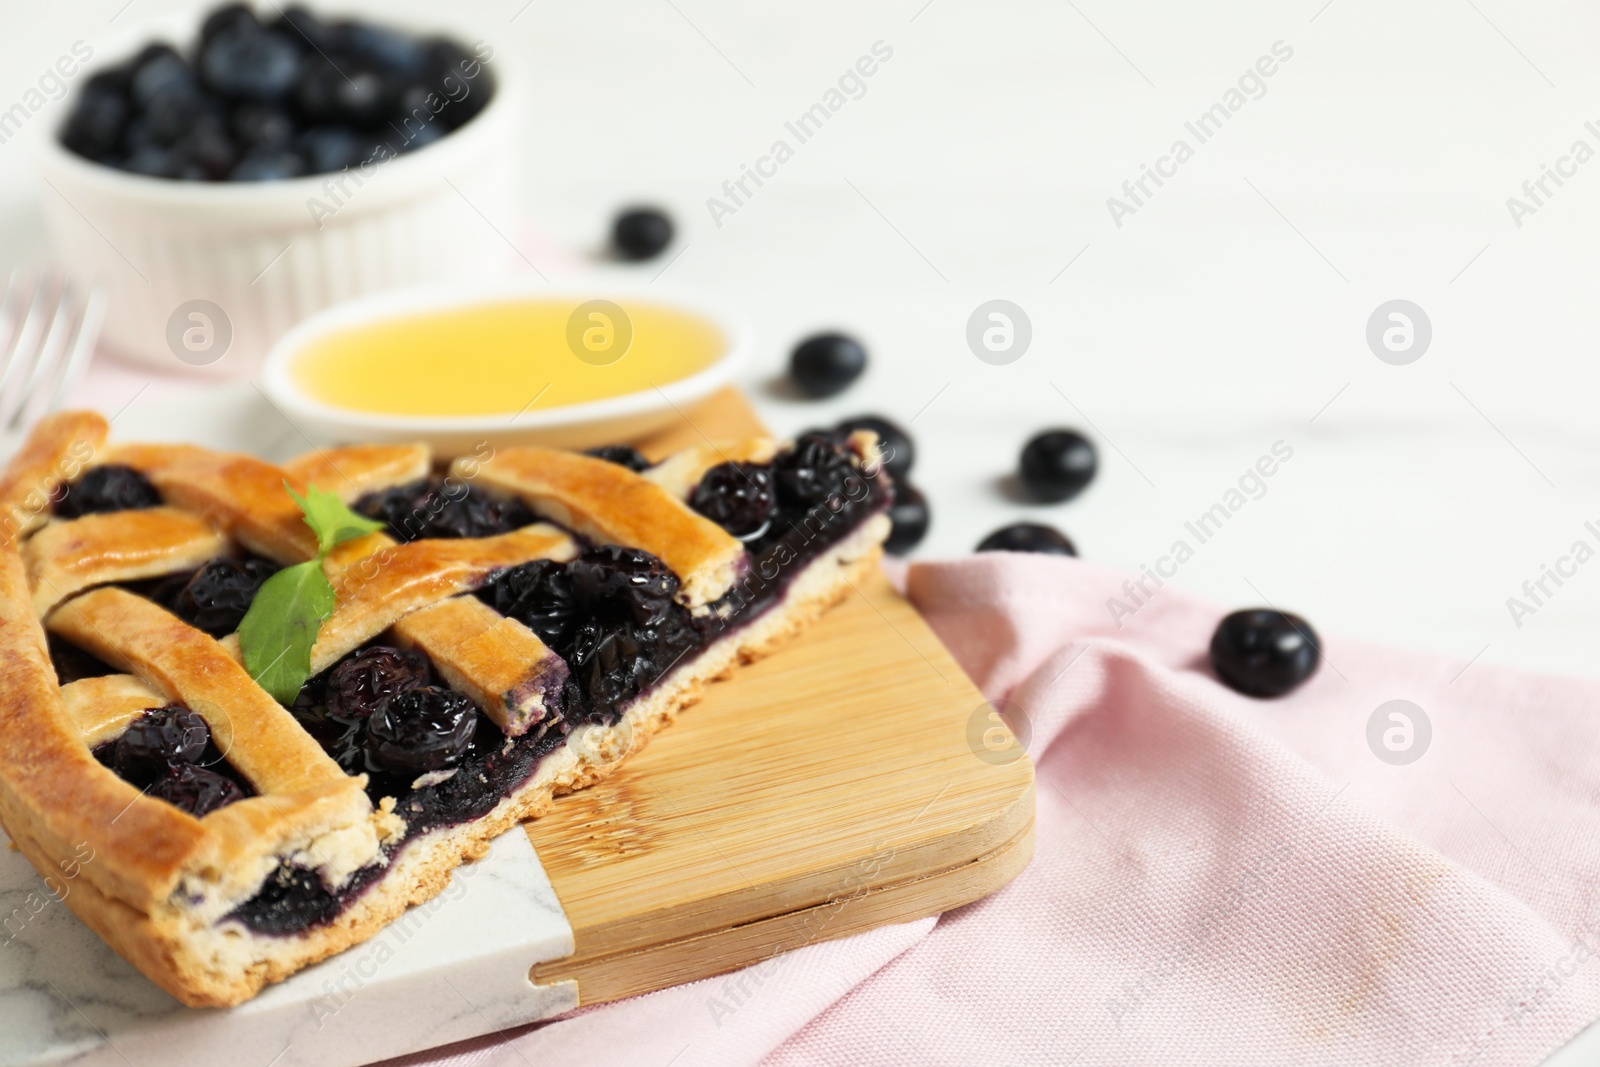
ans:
x=452 y=968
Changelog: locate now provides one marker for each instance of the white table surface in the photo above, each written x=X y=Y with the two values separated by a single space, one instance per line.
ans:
x=1227 y=314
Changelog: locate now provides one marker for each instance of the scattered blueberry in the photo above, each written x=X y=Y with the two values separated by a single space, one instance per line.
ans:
x=899 y=450
x=159 y=739
x=826 y=363
x=739 y=497
x=196 y=790
x=420 y=730
x=908 y=518
x=216 y=598
x=361 y=683
x=641 y=233
x=1057 y=464
x=1028 y=537
x=109 y=487
x=1264 y=653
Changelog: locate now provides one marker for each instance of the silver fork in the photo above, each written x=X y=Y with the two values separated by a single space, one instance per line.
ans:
x=48 y=327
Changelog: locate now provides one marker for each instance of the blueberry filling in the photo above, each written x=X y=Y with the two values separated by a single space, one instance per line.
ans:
x=73 y=664
x=168 y=753
x=106 y=488
x=739 y=497
x=442 y=507
x=214 y=597
x=622 y=456
x=612 y=614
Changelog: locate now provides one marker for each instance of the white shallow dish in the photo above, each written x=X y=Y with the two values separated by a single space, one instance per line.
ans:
x=583 y=425
x=267 y=254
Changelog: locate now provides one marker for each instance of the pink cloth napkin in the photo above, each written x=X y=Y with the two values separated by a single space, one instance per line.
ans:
x=1217 y=880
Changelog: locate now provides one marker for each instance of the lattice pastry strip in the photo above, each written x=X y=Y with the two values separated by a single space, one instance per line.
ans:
x=68 y=557
x=610 y=504
x=501 y=664
x=376 y=590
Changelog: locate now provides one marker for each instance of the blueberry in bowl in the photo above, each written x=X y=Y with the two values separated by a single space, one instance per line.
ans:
x=240 y=102
x=211 y=142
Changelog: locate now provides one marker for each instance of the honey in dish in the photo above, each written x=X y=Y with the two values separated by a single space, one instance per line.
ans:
x=494 y=359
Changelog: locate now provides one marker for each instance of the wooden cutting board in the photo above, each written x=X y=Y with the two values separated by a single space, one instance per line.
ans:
x=853 y=779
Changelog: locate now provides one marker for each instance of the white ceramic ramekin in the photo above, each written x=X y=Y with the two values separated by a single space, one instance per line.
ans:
x=596 y=422
x=268 y=254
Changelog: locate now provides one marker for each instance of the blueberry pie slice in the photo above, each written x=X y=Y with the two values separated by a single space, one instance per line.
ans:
x=263 y=709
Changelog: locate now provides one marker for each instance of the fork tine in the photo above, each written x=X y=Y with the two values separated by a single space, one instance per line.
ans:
x=90 y=315
x=22 y=354
x=19 y=301
x=51 y=300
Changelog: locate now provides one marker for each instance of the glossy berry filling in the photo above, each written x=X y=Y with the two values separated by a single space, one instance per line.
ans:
x=442 y=507
x=739 y=497
x=106 y=488
x=168 y=753
x=622 y=456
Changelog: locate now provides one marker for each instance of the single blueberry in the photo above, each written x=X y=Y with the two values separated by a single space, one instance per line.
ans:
x=362 y=682
x=94 y=128
x=159 y=739
x=350 y=94
x=216 y=598
x=197 y=790
x=267 y=167
x=208 y=149
x=172 y=113
x=329 y=148
x=812 y=472
x=420 y=730
x=265 y=127
x=1262 y=652
x=397 y=54
x=641 y=233
x=249 y=63
x=908 y=519
x=227 y=17
x=301 y=25
x=899 y=451
x=739 y=497
x=1056 y=465
x=1028 y=537
x=826 y=363
x=156 y=70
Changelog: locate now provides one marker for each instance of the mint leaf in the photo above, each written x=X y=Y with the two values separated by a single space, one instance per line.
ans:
x=278 y=631
x=330 y=519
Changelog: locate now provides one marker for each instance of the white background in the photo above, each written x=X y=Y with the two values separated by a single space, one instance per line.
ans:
x=1227 y=314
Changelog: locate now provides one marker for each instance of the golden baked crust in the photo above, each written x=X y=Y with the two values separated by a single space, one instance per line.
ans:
x=163 y=883
x=609 y=504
